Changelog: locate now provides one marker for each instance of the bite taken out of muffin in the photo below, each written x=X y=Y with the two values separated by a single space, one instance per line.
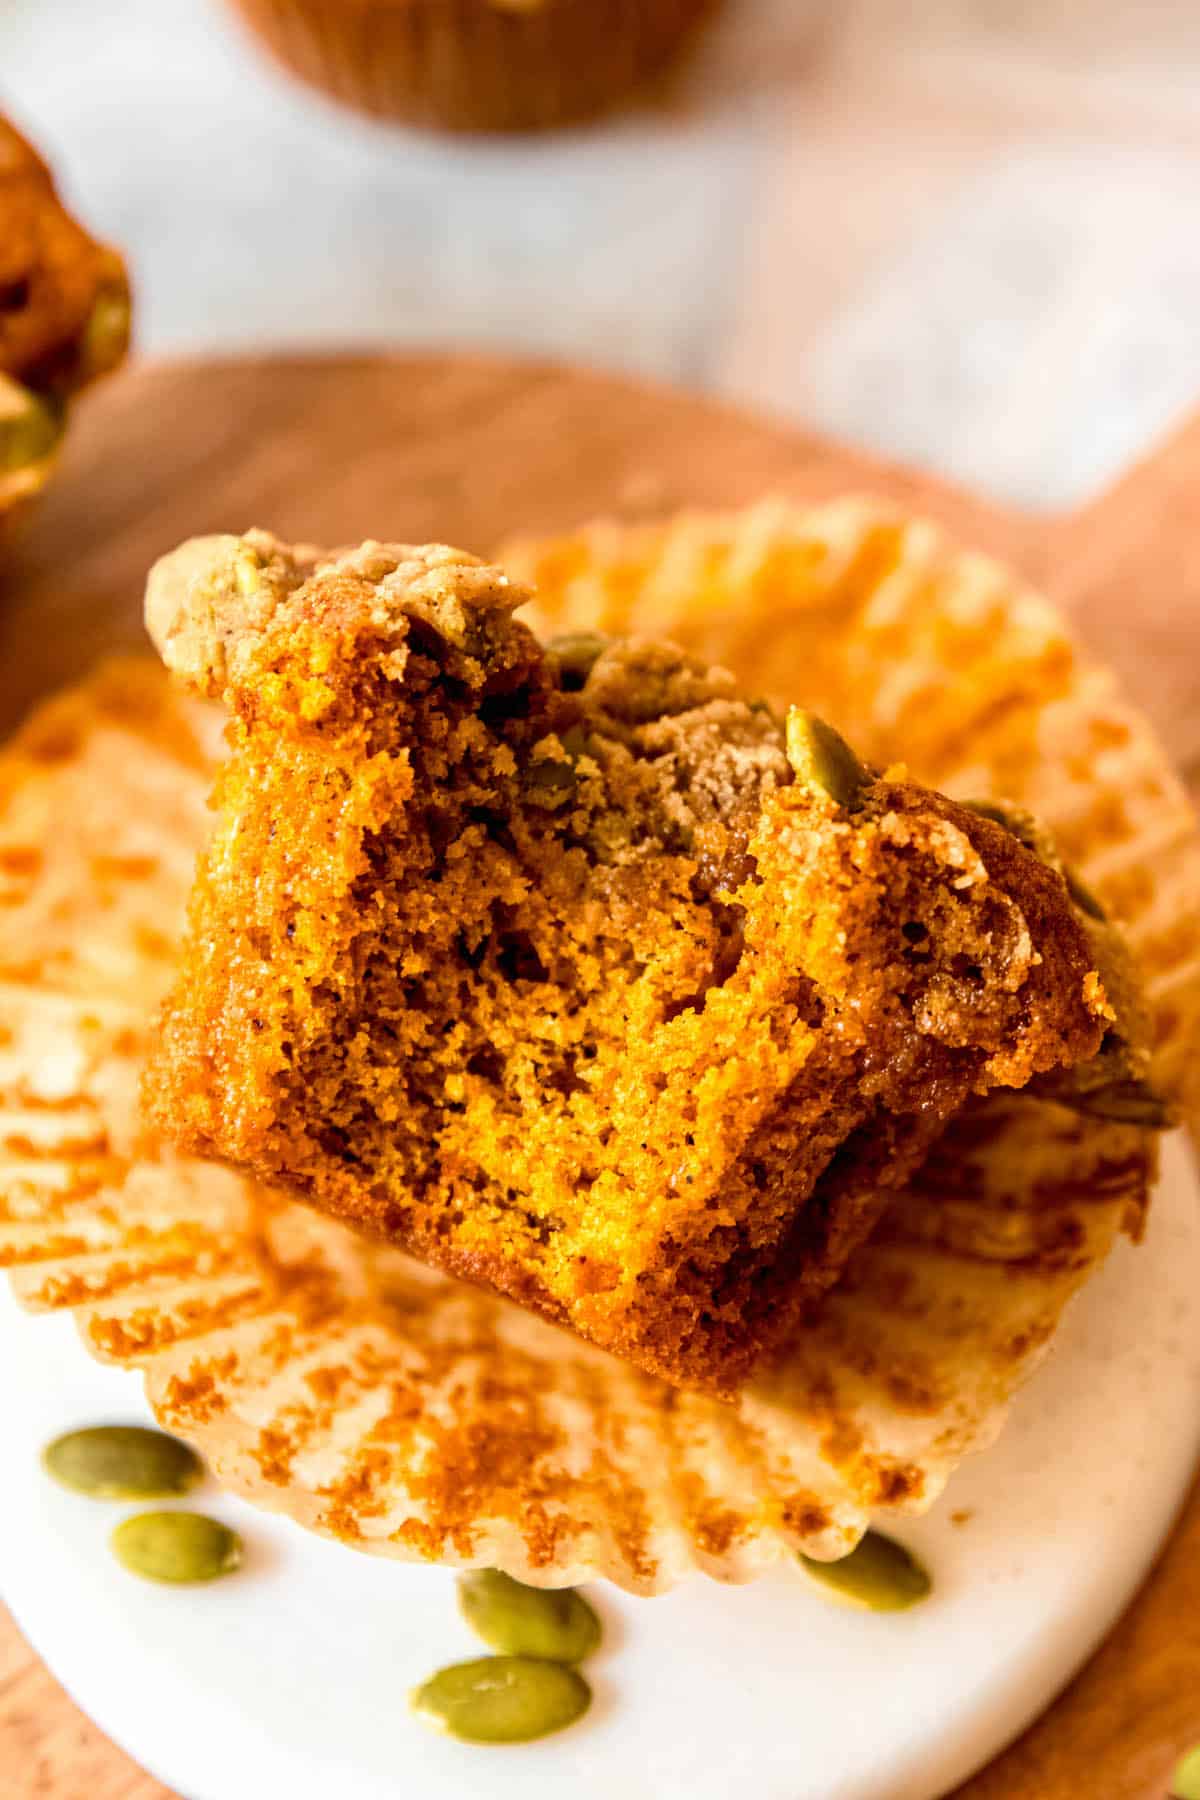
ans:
x=573 y=970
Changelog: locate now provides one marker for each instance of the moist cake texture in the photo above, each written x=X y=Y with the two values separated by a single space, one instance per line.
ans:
x=569 y=968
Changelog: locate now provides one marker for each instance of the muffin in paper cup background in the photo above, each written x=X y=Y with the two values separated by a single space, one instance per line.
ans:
x=476 y=65
x=409 y=1415
x=64 y=321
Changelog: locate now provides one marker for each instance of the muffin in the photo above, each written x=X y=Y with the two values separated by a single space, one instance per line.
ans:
x=476 y=65
x=329 y=1377
x=64 y=318
x=568 y=968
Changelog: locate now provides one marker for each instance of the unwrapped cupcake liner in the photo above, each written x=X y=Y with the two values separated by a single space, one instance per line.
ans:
x=411 y=1416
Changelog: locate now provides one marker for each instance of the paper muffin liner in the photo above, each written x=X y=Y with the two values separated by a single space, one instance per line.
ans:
x=412 y=1416
x=475 y=65
x=927 y=654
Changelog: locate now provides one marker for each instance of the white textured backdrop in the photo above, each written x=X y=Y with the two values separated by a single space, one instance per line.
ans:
x=960 y=231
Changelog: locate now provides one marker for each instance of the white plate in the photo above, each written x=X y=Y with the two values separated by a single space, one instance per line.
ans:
x=291 y=1678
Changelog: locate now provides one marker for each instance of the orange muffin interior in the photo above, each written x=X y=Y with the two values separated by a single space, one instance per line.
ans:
x=568 y=967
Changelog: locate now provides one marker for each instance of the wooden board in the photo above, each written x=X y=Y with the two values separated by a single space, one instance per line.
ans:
x=468 y=449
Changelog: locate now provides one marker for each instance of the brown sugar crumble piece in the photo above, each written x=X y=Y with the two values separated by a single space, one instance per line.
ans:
x=569 y=969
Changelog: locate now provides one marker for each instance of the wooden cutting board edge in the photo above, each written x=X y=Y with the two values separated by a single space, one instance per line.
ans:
x=467 y=448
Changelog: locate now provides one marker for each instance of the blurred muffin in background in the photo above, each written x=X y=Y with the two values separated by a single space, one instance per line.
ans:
x=476 y=65
x=64 y=319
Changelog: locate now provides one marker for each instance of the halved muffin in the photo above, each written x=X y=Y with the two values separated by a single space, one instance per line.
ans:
x=569 y=968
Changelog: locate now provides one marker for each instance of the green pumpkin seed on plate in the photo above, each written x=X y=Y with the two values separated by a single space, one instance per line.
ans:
x=502 y=1699
x=878 y=1574
x=556 y=1624
x=122 y=1462
x=176 y=1546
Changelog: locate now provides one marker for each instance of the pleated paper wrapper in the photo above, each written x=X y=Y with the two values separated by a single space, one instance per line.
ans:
x=412 y=1416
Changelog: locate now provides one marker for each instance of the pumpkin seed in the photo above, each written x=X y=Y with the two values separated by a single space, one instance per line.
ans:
x=550 y=780
x=1083 y=896
x=824 y=760
x=29 y=427
x=879 y=1574
x=556 y=1624
x=1018 y=823
x=576 y=652
x=1128 y=1102
x=1185 y=1782
x=1114 y=1084
x=122 y=1462
x=176 y=1546
x=763 y=709
x=547 y=782
x=106 y=334
x=502 y=1699
x=1035 y=836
